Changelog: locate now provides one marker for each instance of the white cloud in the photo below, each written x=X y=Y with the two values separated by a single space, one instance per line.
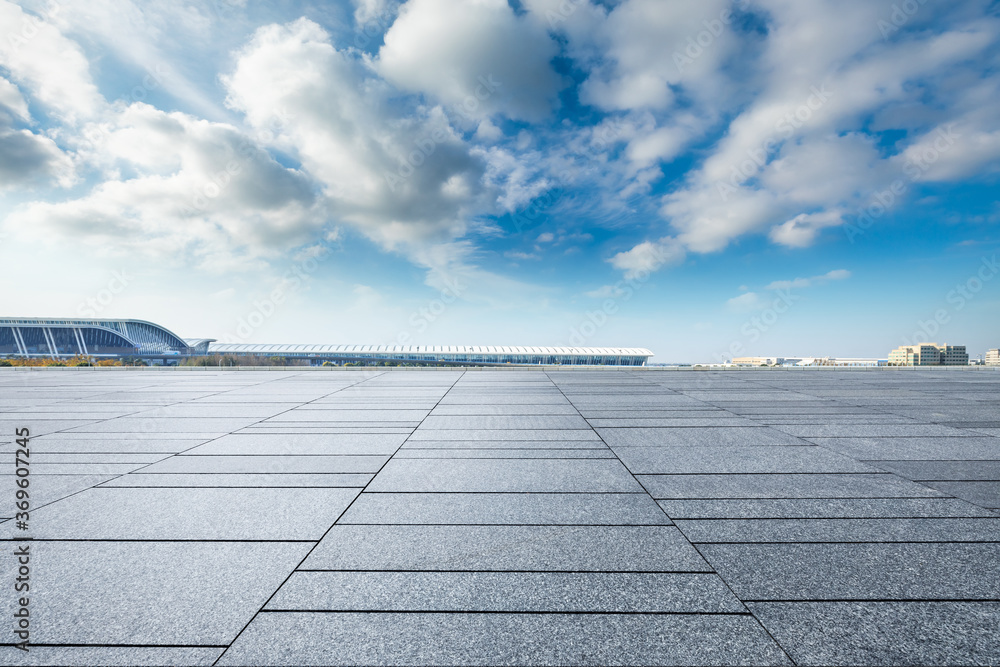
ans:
x=381 y=12
x=401 y=175
x=801 y=231
x=475 y=56
x=746 y=302
x=27 y=158
x=644 y=44
x=792 y=161
x=200 y=189
x=802 y=283
x=754 y=301
x=48 y=64
x=648 y=256
x=606 y=292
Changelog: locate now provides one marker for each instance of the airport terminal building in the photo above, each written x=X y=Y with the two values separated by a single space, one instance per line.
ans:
x=116 y=339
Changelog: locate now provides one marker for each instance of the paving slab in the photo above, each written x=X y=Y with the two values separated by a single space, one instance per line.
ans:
x=149 y=593
x=888 y=571
x=944 y=470
x=784 y=486
x=267 y=464
x=731 y=421
x=503 y=453
x=505 y=508
x=915 y=449
x=170 y=425
x=503 y=639
x=565 y=592
x=593 y=443
x=503 y=435
x=984 y=494
x=702 y=437
x=809 y=508
x=728 y=460
x=489 y=422
x=873 y=430
x=288 y=444
x=884 y=633
x=195 y=514
x=45 y=489
x=841 y=530
x=127 y=656
x=505 y=548
x=506 y=475
x=241 y=480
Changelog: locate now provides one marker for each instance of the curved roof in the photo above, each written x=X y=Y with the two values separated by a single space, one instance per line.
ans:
x=254 y=348
x=141 y=339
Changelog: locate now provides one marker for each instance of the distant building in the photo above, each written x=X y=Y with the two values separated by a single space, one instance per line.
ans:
x=807 y=361
x=929 y=354
x=854 y=362
x=758 y=361
x=993 y=358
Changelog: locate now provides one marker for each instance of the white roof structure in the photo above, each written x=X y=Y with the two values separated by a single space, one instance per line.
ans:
x=263 y=349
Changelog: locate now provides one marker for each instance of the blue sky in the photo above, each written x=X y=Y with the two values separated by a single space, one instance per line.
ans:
x=703 y=179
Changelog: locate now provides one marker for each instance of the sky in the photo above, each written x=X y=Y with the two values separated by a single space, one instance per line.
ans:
x=703 y=179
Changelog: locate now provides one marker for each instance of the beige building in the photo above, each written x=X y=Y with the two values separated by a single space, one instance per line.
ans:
x=993 y=358
x=758 y=361
x=929 y=354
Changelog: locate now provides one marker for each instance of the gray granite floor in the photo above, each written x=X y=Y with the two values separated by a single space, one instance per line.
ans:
x=515 y=516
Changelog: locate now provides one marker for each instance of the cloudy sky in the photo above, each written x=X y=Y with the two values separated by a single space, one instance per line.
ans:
x=710 y=178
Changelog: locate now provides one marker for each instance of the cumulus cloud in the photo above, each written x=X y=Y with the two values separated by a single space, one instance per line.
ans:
x=401 y=175
x=50 y=65
x=648 y=256
x=475 y=56
x=793 y=161
x=27 y=158
x=200 y=188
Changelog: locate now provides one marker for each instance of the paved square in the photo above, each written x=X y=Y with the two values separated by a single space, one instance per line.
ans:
x=506 y=516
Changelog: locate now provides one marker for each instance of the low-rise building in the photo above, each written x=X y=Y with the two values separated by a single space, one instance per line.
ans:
x=929 y=354
x=993 y=357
